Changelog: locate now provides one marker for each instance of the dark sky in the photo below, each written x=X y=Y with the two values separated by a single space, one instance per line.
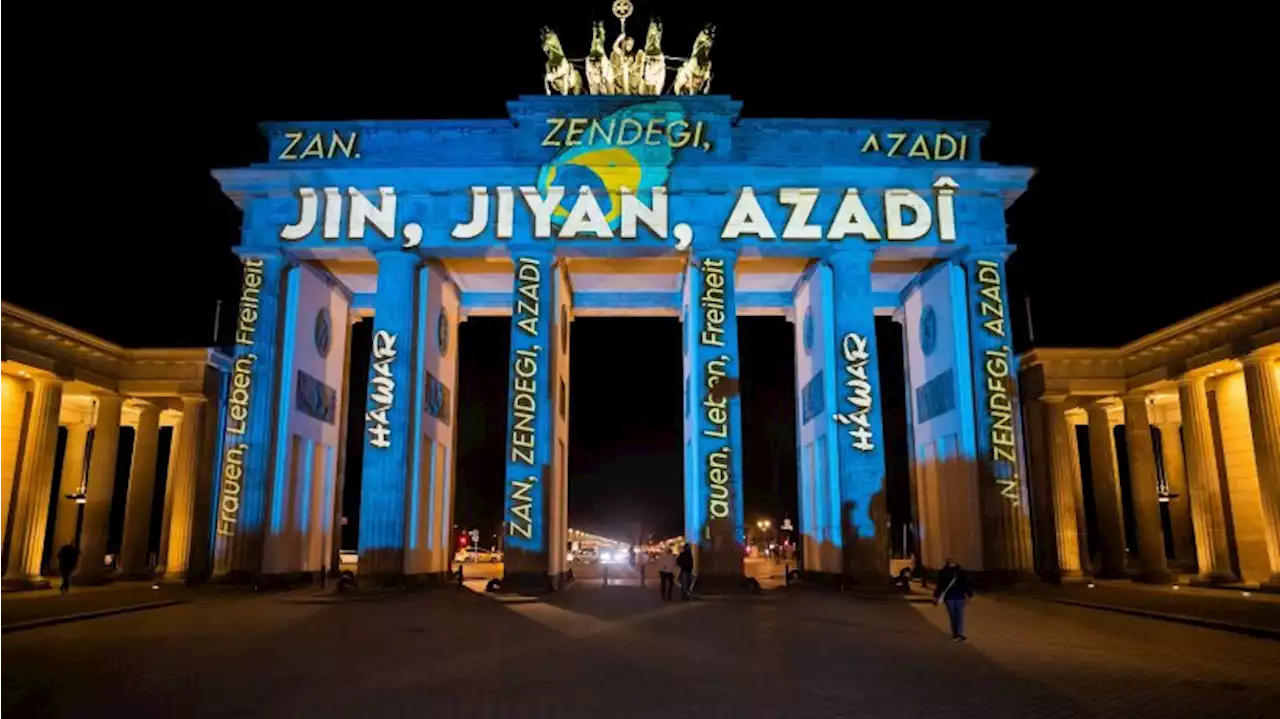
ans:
x=127 y=114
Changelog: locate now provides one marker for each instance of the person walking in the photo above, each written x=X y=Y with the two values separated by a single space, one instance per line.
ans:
x=685 y=564
x=954 y=590
x=667 y=573
x=68 y=558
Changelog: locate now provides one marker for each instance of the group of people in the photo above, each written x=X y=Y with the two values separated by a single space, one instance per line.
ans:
x=670 y=566
x=952 y=589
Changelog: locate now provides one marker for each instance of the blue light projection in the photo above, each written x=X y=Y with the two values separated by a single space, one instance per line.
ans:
x=716 y=518
x=280 y=476
x=835 y=190
x=858 y=433
x=994 y=368
x=419 y=402
x=247 y=443
x=529 y=415
x=389 y=416
x=602 y=160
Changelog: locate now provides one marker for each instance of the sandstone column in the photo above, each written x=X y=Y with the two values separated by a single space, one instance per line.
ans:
x=101 y=487
x=1106 y=493
x=31 y=508
x=1082 y=517
x=1142 y=488
x=1206 y=488
x=335 y=548
x=855 y=426
x=250 y=432
x=1175 y=475
x=1040 y=476
x=142 y=483
x=1065 y=477
x=72 y=481
x=1262 y=387
x=1006 y=518
x=390 y=420
x=180 y=492
x=13 y=418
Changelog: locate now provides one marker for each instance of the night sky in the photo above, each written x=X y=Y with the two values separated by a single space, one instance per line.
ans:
x=138 y=250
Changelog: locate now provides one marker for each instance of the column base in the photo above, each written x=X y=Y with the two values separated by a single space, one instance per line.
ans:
x=239 y=577
x=724 y=584
x=428 y=579
x=1155 y=577
x=92 y=579
x=288 y=580
x=562 y=580
x=23 y=584
x=528 y=583
x=1009 y=577
x=1271 y=586
x=135 y=576
x=1216 y=579
x=382 y=580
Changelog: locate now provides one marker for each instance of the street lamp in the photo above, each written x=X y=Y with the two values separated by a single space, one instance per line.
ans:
x=79 y=498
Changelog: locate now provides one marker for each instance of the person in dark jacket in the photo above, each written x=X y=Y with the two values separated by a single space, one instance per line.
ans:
x=685 y=563
x=954 y=590
x=68 y=558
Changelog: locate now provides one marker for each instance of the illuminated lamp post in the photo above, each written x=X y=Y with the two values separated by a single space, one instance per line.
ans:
x=763 y=525
x=80 y=499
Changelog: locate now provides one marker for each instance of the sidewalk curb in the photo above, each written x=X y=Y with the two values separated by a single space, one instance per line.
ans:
x=1260 y=632
x=68 y=618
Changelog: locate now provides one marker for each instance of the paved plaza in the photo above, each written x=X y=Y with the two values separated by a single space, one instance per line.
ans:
x=621 y=652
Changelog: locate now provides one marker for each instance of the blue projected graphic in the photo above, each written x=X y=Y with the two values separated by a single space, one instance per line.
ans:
x=606 y=167
x=928 y=330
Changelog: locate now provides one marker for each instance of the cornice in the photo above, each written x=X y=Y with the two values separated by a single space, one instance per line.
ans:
x=17 y=319
x=1260 y=302
x=1230 y=329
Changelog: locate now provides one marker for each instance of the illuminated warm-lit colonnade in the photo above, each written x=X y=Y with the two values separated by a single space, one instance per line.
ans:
x=699 y=215
x=56 y=376
x=1199 y=403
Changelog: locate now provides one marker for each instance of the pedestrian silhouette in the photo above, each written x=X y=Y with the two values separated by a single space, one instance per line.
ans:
x=68 y=558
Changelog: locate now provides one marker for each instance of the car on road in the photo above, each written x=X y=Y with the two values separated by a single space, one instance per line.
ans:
x=475 y=555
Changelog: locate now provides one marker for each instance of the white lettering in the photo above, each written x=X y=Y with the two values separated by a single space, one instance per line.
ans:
x=858 y=420
x=382 y=387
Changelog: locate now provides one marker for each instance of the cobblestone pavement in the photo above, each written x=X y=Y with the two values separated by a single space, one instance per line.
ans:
x=22 y=607
x=621 y=652
x=1257 y=610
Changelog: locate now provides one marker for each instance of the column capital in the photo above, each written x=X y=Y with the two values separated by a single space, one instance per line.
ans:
x=1055 y=398
x=727 y=254
x=1136 y=396
x=394 y=254
x=1193 y=379
x=991 y=253
x=853 y=257
x=541 y=249
x=106 y=398
x=43 y=380
x=1101 y=404
x=193 y=398
x=259 y=253
x=1262 y=355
